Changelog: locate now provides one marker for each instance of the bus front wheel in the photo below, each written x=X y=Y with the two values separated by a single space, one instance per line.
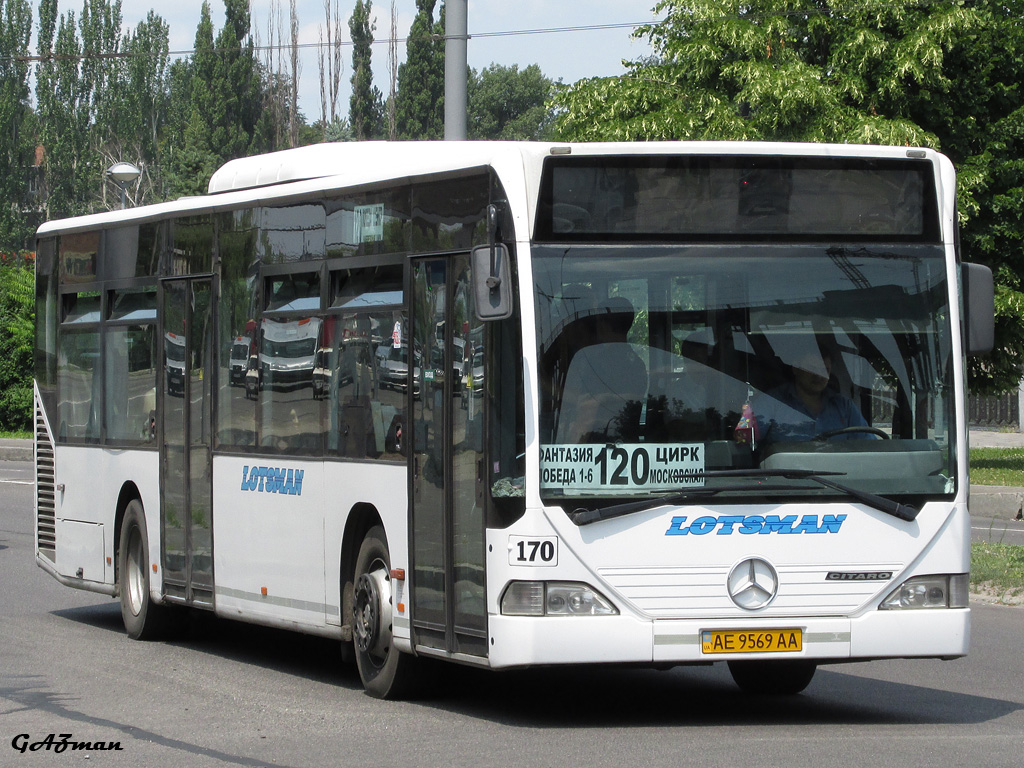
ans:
x=772 y=678
x=385 y=671
x=143 y=619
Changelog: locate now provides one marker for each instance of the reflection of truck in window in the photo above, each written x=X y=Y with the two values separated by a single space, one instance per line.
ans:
x=287 y=353
x=322 y=373
x=393 y=363
x=174 y=363
x=238 y=359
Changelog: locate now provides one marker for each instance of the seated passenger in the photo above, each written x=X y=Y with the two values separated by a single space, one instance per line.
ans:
x=806 y=406
x=606 y=383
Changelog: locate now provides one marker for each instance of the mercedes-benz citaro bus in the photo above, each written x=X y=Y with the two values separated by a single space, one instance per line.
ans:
x=721 y=415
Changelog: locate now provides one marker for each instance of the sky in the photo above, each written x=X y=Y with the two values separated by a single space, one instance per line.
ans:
x=567 y=55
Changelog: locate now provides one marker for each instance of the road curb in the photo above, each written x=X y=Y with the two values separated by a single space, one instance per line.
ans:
x=15 y=450
x=1004 y=502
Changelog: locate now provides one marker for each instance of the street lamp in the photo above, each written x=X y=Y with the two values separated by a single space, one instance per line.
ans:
x=123 y=174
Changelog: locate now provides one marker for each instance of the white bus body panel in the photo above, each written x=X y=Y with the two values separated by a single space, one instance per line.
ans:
x=287 y=539
x=86 y=535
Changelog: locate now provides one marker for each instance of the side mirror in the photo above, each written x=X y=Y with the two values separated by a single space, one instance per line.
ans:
x=492 y=281
x=979 y=308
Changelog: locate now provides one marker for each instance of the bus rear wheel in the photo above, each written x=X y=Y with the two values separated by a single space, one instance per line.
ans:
x=143 y=619
x=772 y=678
x=385 y=671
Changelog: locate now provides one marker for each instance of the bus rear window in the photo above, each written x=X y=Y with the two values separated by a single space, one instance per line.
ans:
x=737 y=198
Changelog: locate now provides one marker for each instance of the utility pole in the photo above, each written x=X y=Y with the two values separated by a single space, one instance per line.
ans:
x=456 y=68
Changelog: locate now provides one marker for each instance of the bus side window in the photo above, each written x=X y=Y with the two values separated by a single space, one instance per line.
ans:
x=365 y=389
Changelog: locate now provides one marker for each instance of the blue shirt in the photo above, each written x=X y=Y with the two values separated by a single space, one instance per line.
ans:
x=782 y=416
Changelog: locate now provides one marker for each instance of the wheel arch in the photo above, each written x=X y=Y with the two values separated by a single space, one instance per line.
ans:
x=361 y=519
x=129 y=493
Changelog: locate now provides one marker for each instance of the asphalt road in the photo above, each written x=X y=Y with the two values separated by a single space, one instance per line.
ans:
x=228 y=694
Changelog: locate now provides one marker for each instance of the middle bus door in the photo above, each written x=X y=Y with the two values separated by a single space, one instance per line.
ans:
x=449 y=611
x=185 y=451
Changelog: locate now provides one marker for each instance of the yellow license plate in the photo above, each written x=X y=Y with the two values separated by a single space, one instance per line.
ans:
x=751 y=641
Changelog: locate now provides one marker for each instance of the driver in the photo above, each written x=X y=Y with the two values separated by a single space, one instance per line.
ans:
x=806 y=406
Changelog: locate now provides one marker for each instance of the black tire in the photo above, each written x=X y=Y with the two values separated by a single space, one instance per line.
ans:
x=772 y=678
x=385 y=671
x=143 y=619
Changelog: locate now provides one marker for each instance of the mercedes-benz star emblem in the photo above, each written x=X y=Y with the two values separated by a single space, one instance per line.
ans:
x=753 y=584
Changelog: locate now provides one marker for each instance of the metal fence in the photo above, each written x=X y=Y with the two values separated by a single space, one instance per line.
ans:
x=1001 y=411
x=985 y=411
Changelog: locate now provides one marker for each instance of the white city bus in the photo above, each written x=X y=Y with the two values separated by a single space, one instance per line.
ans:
x=716 y=413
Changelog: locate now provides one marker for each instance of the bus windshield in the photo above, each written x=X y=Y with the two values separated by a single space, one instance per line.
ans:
x=666 y=367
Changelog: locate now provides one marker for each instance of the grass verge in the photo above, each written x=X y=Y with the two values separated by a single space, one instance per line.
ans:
x=997 y=571
x=997 y=466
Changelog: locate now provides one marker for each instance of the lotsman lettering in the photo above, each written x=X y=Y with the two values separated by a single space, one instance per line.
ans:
x=751 y=524
x=676 y=528
x=808 y=524
x=703 y=525
x=831 y=523
x=727 y=523
x=279 y=480
x=773 y=524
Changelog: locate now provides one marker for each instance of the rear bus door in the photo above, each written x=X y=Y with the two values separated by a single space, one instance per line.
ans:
x=186 y=491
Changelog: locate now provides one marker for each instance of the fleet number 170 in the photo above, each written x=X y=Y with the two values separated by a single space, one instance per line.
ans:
x=532 y=550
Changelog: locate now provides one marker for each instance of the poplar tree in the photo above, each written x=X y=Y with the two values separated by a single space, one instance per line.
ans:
x=366 y=104
x=190 y=155
x=236 y=87
x=419 y=102
x=62 y=99
x=17 y=148
x=221 y=93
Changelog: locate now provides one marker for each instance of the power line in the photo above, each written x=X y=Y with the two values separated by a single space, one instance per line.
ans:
x=346 y=43
x=833 y=10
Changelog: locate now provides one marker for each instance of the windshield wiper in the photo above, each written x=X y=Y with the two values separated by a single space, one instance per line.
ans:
x=586 y=516
x=882 y=504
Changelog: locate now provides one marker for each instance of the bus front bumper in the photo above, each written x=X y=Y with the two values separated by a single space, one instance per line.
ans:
x=518 y=641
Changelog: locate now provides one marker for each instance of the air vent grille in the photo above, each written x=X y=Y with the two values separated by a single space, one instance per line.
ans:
x=46 y=508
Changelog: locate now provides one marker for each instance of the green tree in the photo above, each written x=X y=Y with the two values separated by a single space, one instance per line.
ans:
x=17 y=145
x=946 y=75
x=17 y=318
x=101 y=97
x=63 y=110
x=508 y=104
x=221 y=90
x=236 y=86
x=189 y=153
x=419 y=102
x=365 y=105
x=767 y=72
x=141 y=102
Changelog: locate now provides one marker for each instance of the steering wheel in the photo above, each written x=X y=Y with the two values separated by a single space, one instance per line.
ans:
x=852 y=430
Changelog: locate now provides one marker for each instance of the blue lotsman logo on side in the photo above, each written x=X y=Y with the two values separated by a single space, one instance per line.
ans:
x=272 y=480
x=751 y=524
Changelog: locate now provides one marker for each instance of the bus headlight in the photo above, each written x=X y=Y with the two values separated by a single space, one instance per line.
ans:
x=949 y=591
x=554 y=598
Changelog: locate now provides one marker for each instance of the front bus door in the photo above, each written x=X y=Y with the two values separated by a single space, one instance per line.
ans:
x=449 y=612
x=185 y=450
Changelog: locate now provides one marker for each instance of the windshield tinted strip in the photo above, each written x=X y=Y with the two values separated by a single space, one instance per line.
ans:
x=736 y=199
